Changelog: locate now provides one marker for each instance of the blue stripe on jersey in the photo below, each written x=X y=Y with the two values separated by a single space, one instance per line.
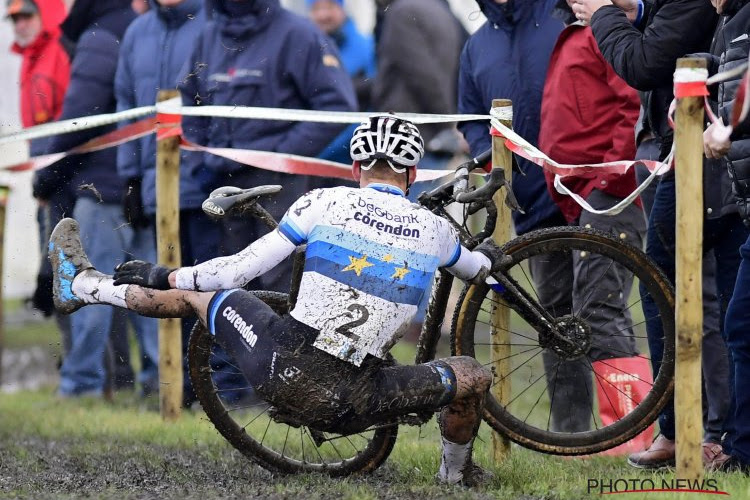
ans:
x=455 y=256
x=214 y=309
x=386 y=188
x=293 y=233
x=361 y=246
x=382 y=270
x=390 y=290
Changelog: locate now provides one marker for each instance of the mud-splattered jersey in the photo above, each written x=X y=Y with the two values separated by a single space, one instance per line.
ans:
x=371 y=256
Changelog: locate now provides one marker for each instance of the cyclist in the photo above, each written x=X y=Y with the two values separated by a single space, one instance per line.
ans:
x=371 y=255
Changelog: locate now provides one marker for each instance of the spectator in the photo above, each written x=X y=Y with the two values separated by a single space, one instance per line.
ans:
x=358 y=57
x=507 y=57
x=45 y=71
x=727 y=54
x=418 y=50
x=172 y=25
x=646 y=60
x=291 y=65
x=588 y=114
x=96 y=26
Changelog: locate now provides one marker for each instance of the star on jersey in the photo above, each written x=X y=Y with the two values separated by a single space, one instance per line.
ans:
x=400 y=272
x=358 y=264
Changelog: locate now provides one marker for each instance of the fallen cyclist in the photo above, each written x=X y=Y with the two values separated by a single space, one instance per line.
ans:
x=371 y=255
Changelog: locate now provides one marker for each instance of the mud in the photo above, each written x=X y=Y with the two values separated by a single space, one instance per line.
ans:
x=34 y=468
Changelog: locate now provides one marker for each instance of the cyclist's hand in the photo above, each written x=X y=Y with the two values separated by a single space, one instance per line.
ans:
x=145 y=274
x=493 y=252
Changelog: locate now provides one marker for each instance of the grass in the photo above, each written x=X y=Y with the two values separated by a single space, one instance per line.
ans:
x=52 y=448
x=64 y=449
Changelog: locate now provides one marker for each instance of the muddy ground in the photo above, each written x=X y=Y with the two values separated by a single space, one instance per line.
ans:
x=34 y=468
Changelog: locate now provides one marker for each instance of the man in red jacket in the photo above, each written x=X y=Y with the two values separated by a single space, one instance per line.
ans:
x=588 y=116
x=45 y=69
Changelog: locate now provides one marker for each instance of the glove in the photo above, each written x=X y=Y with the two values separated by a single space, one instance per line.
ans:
x=132 y=204
x=42 y=298
x=493 y=252
x=145 y=274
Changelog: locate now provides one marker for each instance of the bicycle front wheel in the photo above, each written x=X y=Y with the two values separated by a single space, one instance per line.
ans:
x=253 y=428
x=530 y=360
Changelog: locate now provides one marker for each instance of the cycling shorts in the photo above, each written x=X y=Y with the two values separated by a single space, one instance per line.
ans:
x=307 y=386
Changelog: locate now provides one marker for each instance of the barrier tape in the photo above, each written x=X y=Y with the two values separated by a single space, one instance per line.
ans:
x=690 y=82
x=524 y=149
x=173 y=107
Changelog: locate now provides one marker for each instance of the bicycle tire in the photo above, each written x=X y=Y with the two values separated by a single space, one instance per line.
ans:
x=536 y=437
x=226 y=418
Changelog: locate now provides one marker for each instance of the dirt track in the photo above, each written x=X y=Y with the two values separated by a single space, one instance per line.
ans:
x=33 y=468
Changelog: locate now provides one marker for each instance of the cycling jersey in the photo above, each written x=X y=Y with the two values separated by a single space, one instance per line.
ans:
x=371 y=255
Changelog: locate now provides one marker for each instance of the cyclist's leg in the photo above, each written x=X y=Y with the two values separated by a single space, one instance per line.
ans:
x=457 y=384
x=76 y=284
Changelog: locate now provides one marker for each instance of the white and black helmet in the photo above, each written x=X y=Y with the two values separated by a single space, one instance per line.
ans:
x=387 y=137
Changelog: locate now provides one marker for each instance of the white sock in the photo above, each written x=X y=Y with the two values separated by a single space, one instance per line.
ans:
x=455 y=457
x=93 y=287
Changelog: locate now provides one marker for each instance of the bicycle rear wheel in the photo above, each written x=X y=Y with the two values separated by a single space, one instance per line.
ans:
x=251 y=428
x=525 y=414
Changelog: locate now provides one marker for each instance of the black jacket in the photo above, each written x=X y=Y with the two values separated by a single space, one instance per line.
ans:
x=96 y=26
x=646 y=59
x=730 y=49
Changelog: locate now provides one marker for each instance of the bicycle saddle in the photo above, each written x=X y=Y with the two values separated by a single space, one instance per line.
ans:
x=227 y=199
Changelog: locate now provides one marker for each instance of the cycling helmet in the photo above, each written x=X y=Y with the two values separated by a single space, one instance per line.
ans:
x=387 y=137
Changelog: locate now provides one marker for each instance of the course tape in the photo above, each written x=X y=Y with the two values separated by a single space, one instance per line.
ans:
x=173 y=107
x=523 y=148
x=690 y=82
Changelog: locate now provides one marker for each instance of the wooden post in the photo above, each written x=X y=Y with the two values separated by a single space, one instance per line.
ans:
x=688 y=139
x=168 y=251
x=4 y=190
x=500 y=317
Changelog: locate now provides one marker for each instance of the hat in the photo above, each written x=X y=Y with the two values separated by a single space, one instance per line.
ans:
x=21 y=7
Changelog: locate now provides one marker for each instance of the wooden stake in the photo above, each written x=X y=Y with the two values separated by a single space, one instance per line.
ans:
x=168 y=251
x=4 y=190
x=500 y=316
x=688 y=139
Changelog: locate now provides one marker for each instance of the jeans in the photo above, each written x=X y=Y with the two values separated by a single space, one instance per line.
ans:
x=107 y=240
x=723 y=235
x=737 y=329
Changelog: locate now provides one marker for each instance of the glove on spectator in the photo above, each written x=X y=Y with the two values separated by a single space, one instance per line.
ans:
x=132 y=204
x=145 y=274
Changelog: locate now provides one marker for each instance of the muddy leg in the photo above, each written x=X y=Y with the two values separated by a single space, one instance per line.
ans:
x=459 y=421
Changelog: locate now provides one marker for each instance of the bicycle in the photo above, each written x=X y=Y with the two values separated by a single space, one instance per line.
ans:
x=256 y=430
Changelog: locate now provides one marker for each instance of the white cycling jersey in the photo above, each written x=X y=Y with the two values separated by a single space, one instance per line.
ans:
x=371 y=256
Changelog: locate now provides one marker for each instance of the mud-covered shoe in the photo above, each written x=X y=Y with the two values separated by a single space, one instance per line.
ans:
x=471 y=476
x=68 y=260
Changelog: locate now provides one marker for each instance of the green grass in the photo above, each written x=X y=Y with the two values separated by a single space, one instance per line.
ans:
x=63 y=448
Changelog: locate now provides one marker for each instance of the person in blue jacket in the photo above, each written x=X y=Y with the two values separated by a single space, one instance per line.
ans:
x=97 y=28
x=256 y=53
x=142 y=71
x=357 y=56
x=507 y=58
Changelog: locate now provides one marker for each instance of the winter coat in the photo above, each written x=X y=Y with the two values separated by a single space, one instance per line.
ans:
x=45 y=68
x=507 y=58
x=730 y=48
x=358 y=57
x=646 y=59
x=268 y=58
x=154 y=50
x=418 y=52
x=588 y=115
x=96 y=26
